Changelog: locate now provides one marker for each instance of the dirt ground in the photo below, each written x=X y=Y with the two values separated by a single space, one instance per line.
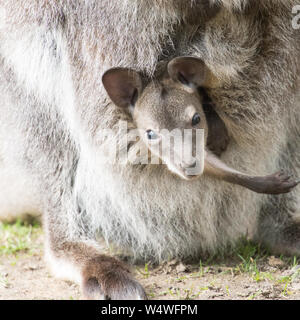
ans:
x=247 y=275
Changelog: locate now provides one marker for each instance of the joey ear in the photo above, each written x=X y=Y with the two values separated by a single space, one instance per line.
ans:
x=189 y=71
x=123 y=86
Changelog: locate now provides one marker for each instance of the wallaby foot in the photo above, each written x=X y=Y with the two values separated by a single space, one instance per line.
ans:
x=276 y=183
x=101 y=277
x=105 y=278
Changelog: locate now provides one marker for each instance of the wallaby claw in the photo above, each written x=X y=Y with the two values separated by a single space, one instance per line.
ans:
x=280 y=183
x=119 y=289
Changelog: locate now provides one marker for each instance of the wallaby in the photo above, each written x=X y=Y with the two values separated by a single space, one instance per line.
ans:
x=53 y=109
x=174 y=102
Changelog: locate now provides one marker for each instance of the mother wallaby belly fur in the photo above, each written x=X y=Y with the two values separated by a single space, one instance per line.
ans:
x=53 y=107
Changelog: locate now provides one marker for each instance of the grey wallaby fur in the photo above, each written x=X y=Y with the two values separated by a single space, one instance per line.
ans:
x=54 y=159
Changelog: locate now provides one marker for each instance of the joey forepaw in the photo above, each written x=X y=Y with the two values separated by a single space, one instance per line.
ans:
x=281 y=182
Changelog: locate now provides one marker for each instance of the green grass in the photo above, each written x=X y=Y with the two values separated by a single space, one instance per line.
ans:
x=18 y=237
x=249 y=255
x=145 y=273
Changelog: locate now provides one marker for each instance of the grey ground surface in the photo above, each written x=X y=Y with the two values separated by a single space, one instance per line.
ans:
x=248 y=273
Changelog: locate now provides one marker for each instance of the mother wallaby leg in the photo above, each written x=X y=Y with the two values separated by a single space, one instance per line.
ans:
x=72 y=251
x=100 y=276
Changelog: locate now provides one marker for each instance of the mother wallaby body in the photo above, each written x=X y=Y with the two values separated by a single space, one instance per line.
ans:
x=53 y=107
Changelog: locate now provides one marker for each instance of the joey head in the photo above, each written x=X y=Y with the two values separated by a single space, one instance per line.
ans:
x=173 y=104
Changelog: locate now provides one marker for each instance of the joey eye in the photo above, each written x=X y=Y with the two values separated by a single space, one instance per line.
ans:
x=151 y=135
x=196 y=119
